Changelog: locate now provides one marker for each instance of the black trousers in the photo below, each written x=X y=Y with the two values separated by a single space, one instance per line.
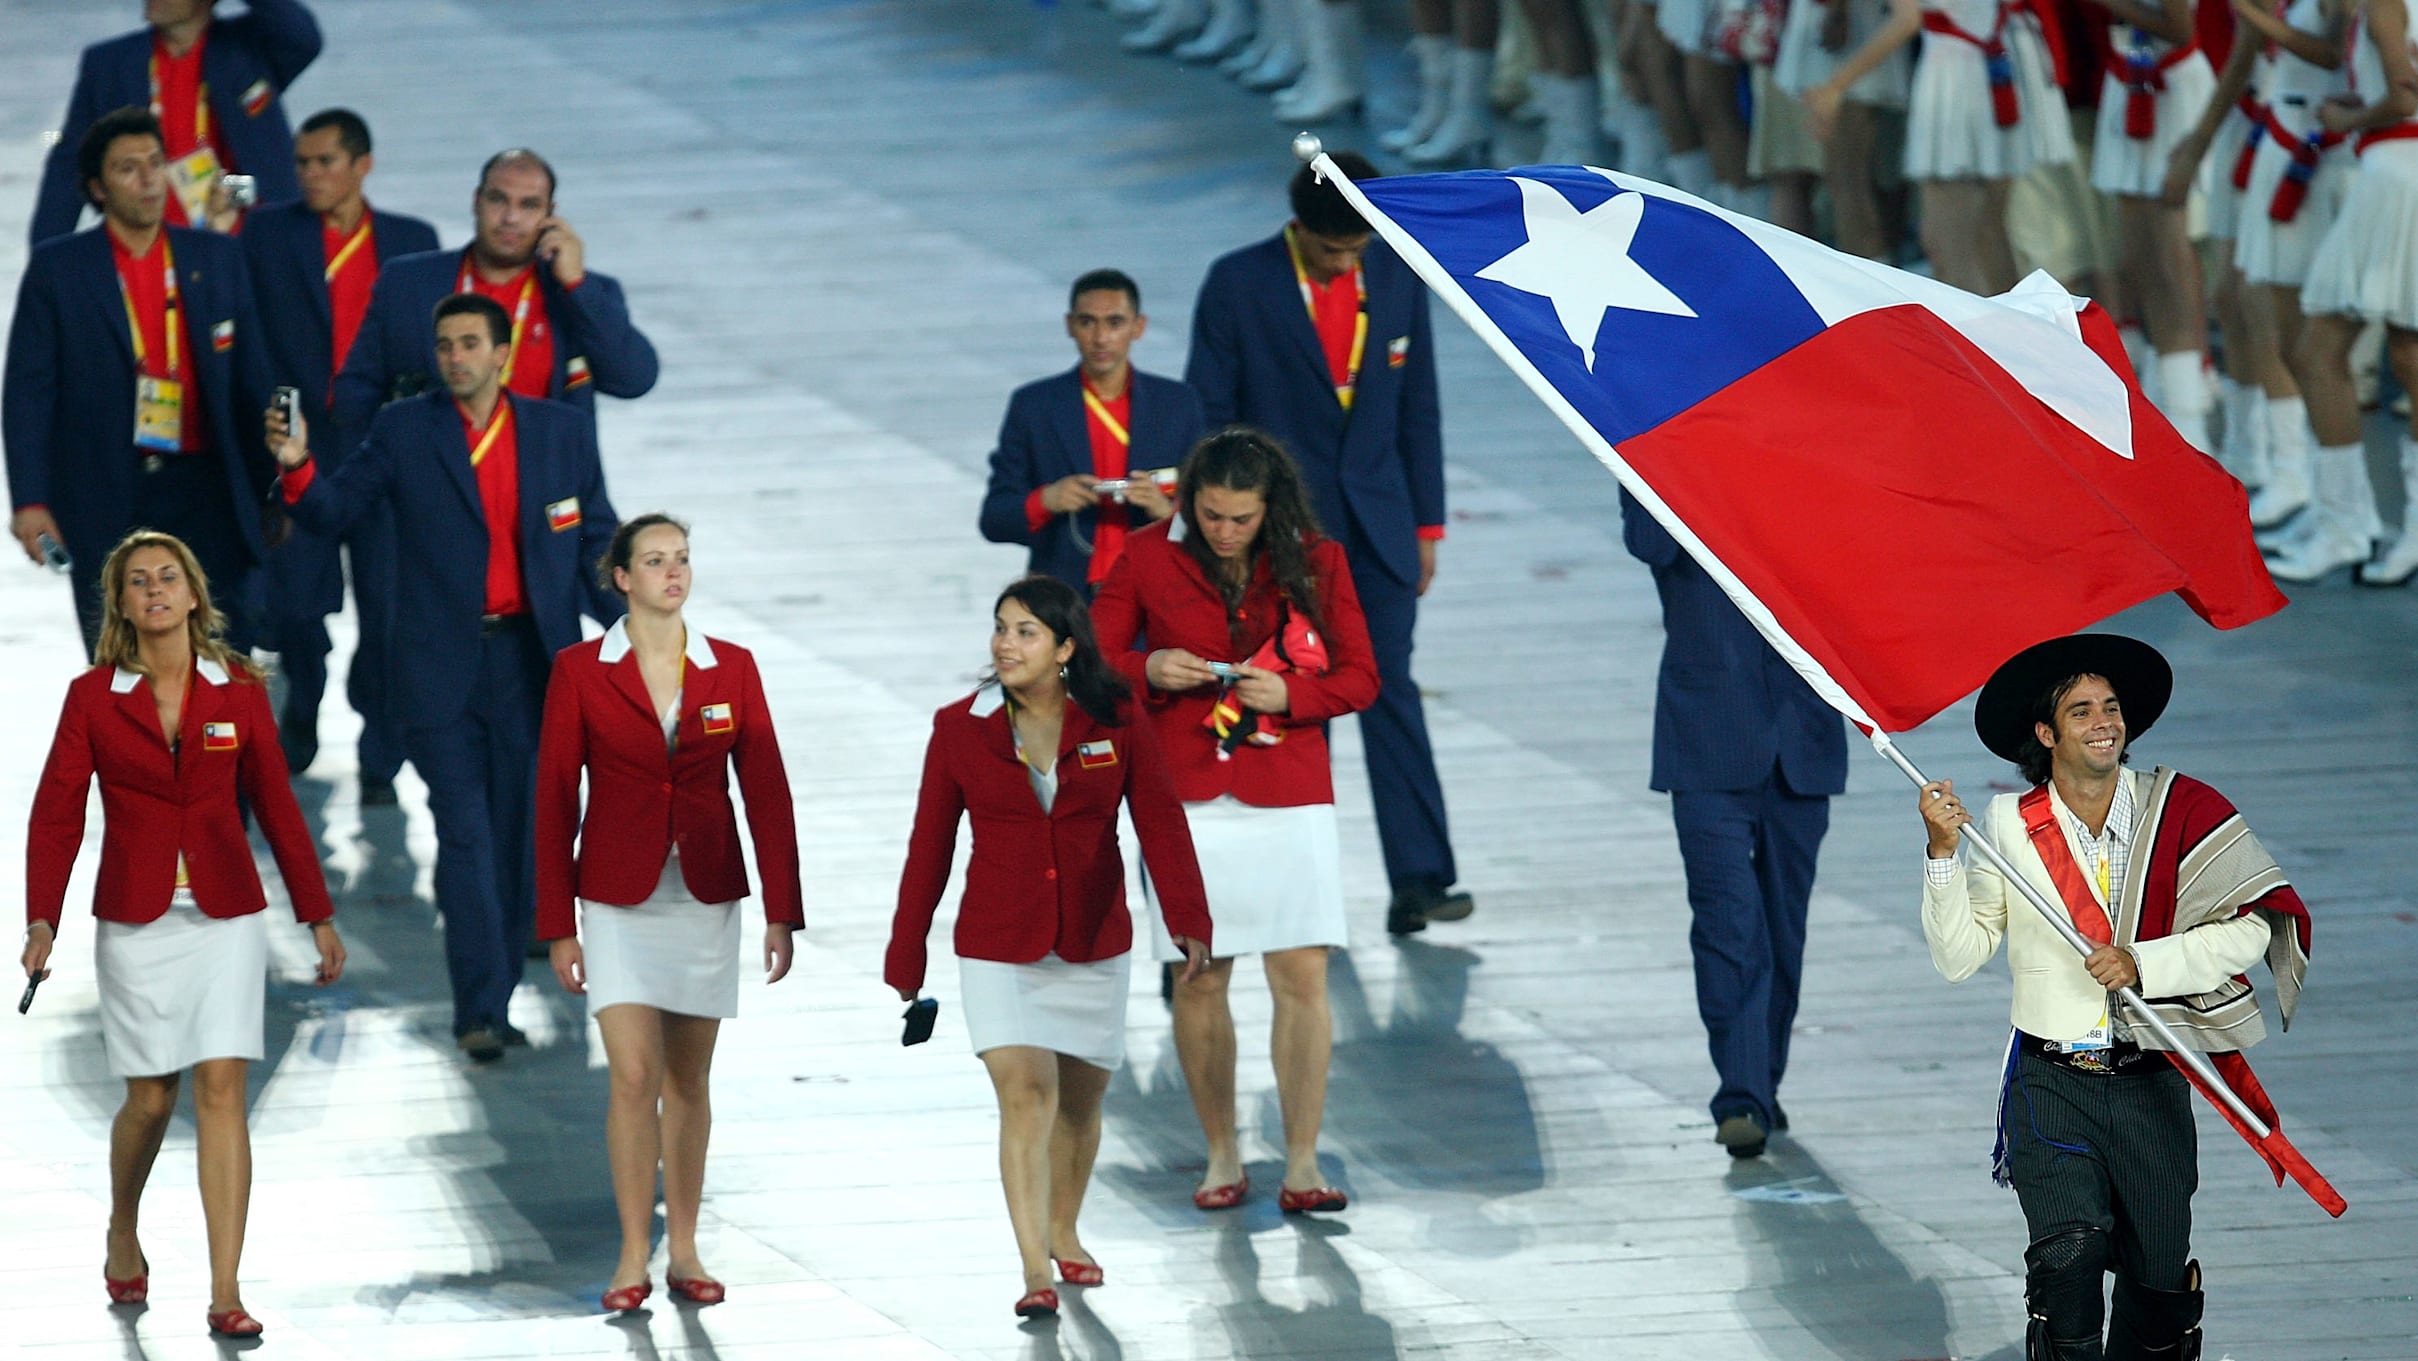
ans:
x=2116 y=1152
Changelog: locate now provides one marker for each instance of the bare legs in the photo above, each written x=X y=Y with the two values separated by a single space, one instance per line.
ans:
x=1301 y=1041
x=1049 y=1132
x=222 y=1151
x=1855 y=204
x=659 y=1115
x=134 y=1144
x=1965 y=234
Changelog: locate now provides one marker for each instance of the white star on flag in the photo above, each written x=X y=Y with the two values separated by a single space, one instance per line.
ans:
x=1580 y=262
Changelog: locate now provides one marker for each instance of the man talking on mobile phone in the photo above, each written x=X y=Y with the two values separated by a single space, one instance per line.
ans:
x=571 y=335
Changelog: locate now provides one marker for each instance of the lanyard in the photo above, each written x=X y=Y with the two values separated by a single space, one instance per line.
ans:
x=201 y=101
x=1099 y=409
x=345 y=253
x=1360 y=322
x=495 y=428
x=134 y=324
x=2105 y=895
x=520 y=309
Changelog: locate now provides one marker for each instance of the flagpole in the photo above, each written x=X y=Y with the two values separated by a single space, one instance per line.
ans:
x=2140 y=1008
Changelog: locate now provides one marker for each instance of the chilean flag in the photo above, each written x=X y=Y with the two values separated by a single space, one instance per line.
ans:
x=1900 y=483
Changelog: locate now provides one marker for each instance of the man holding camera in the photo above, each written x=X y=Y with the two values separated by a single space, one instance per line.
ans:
x=132 y=362
x=1078 y=453
x=216 y=86
x=314 y=261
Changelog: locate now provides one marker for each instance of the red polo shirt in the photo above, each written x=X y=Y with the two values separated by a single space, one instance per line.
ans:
x=495 y=459
x=352 y=267
x=178 y=99
x=523 y=300
x=143 y=281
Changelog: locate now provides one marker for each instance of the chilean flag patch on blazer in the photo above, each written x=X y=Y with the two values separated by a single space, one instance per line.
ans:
x=717 y=718
x=222 y=337
x=563 y=514
x=1093 y=755
x=256 y=100
x=218 y=737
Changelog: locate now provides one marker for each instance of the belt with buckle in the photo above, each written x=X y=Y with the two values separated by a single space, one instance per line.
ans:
x=493 y=624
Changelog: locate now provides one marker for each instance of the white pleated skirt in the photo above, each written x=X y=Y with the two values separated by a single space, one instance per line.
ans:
x=2272 y=252
x=1274 y=878
x=2216 y=176
x=670 y=952
x=1073 y=1009
x=2367 y=264
x=1804 y=63
x=181 y=989
x=1951 y=131
x=2124 y=164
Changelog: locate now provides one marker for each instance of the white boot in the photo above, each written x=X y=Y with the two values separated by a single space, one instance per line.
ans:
x=2287 y=486
x=1230 y=23
x=2259 y=465
x=2143 y=356
x=2399 y=561
x=2358 y=506
x=1467 y=131
x=1173 y=22
x=2334 y=541
x=1280 y=65
x=2237 y=448
x=1330 y=85
x=1572 y=133
x=2183 y=395
x=1691 y=172
x=1433 y=52
x=1642 y=151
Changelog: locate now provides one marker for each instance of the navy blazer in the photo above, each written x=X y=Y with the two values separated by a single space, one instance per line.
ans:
x=1256 y=359
x=1047 y=436
x=287 y=250
x=416 y=460
x=1727 y=710
x=394 y=355
x=271 y=42
x=67 y=400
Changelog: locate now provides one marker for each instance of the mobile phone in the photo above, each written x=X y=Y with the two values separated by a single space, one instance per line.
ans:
x=920 y=1016
x=1223 y=670
x=289 y=405
x=243 y=191
x=54 y=553
x=32 y=981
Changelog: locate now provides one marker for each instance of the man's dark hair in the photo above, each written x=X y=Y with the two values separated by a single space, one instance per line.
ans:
x=499 y=324
x=93 y=151
x=2034 y=761
x=1321 y=207
x=1099 y=279
x=517 y=155
x=352 y=133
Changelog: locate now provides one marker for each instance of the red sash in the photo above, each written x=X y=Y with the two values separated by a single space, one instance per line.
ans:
x=2306 y=152
x=2250 y=108
x=2004 y=106
x=2143 y=78
x=2040 y=823
x=2399 y=132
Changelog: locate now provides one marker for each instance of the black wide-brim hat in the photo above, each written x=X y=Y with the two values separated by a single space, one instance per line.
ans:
x=2140 y=676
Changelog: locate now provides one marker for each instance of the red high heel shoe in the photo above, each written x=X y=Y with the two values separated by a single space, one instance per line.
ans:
x=1079 y=1273
x=629 y=1298
x=1316 y=1200
x=235 y=1323
x=1042 y=1303
x=700 y=1290
x=134 y=1289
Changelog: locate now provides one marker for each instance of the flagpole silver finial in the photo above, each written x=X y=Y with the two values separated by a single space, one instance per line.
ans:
x=1306 y=147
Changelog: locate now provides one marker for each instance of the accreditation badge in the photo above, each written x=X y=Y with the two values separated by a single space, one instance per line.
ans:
x=159 y=414
x=219 y=737
x=717 y=718
x=191 y=177
x=563 y=514
x=1094 y=755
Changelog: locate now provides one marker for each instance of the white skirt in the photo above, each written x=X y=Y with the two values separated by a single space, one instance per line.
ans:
x=2124 y=164
x=1804 y=63
x=2272 y=252
x=181 y=989
x=2216 y=175
x=1951 y=131
x=1073 y=1009
x=670 y=952
x=1780 y=138
x=1274 y=877
x=2367 y=265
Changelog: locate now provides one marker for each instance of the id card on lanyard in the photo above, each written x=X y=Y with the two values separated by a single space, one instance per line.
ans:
x=1360 y=321
x=159 y=399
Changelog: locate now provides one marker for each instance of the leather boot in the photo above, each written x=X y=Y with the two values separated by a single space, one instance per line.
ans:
x=1331 y=78
x=2061 y=1293
x=2399 y=561
x=1433 y=53
x=2155 y=1325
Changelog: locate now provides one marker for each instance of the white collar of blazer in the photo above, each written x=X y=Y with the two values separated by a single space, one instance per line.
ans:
x=617 y=646
x=1178 y=526
x=988 y=700
x=126 y=680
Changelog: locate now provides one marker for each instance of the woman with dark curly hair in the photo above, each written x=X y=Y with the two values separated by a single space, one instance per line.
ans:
x=1256 y=640
x=178 y=729
x=1040 y=757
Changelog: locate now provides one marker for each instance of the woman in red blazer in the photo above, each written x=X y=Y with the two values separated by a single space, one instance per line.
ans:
x=179 y=731
x=1256 y=641
x=1040 y=758
x=657 y=716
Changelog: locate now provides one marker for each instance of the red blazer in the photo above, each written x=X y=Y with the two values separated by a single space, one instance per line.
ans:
x=1040 y=882
x=1157 y=591
x=642 y=798
x=154 y=804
